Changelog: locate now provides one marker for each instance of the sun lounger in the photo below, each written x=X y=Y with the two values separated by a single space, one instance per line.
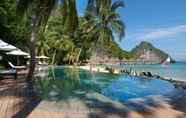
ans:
x=42 y=63
x=16 y=67
x=8 y=72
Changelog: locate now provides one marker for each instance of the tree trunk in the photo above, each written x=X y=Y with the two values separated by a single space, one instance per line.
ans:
x=77 y=59
x=33 y=25
x=54 y=57
x=32 y=47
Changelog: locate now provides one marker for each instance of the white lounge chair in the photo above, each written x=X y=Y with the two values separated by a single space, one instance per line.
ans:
x=16 y=67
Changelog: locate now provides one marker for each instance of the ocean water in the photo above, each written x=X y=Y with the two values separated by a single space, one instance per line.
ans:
x=175 y=71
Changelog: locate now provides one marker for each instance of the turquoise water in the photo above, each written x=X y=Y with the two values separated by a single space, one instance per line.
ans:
x=76 y=83
x=175 y=71
x=130 y=87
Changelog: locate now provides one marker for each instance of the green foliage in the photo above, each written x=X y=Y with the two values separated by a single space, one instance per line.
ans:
x=106 y=25
x=106 y=20
x=70 y=40
x=11 y=30
x=116 y=52
x=62 y=44
x=113 y=50
x=64 y=37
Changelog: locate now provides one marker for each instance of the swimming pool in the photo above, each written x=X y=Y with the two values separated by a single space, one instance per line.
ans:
x=67 y=83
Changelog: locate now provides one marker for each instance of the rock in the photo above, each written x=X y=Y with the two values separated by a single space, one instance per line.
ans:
x=149 y=74
x=162 y=78
x=143 y=74
x=157 y=76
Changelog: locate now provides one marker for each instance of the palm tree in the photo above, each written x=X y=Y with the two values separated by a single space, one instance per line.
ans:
x=107 y=21
x=43 y=45
x=37 y=13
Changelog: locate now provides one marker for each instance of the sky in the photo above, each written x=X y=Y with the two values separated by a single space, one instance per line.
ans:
x=160 y=22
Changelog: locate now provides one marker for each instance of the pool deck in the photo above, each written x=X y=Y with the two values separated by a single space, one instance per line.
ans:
x=17 y=100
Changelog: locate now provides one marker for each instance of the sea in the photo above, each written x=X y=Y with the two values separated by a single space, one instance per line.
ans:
x=176 y=71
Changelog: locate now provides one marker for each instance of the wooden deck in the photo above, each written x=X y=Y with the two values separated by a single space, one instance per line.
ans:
x=18 y=101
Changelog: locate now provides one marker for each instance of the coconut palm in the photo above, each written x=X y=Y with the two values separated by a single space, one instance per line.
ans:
x=37 y=13
x=107 y=21
x=43 y=45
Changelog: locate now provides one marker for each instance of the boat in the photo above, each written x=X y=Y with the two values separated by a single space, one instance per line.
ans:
x=166 y=61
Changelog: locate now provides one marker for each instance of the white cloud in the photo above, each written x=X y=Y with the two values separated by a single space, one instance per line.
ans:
x=159 y=33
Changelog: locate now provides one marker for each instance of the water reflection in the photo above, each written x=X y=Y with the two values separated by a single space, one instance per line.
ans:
x=72 y=83
x=66 y=83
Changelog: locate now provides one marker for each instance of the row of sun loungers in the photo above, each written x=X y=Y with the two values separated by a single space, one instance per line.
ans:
x=13 y=71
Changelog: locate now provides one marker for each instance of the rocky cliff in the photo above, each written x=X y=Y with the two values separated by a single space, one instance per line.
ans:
x=147 y=52
x=144 y=52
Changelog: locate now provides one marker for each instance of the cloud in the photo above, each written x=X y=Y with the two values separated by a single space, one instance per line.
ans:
x=158 y=33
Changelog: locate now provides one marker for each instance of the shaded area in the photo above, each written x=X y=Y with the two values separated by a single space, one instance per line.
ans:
x=73 y=91
x=66 y=83
x=155 y=107
x=101 y=107
x=17 y=99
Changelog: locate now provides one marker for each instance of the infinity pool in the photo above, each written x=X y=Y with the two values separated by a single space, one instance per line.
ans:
x=65 y=83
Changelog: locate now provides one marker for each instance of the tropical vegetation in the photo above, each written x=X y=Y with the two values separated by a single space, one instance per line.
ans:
x=53 y=28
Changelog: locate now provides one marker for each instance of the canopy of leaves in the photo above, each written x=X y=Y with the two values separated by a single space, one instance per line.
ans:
x=11 y=30
x=67 y=37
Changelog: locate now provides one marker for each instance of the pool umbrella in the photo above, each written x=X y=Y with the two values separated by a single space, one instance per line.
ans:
x=43 y=57
x=17 y=52
x=2 y=43
x=39 y=57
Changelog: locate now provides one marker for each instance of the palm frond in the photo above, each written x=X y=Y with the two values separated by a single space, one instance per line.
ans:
x=44 y=11
x=71 y=22
x=113 y=15
x=64 y=11
x=22 y=7
x=119 y=28
x=117 y=4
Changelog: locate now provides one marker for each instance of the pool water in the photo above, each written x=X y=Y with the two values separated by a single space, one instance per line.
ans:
x=131 y=87
x=65 y=83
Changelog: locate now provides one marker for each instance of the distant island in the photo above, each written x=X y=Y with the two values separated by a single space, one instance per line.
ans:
x=147 y=52
x=144 y=53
